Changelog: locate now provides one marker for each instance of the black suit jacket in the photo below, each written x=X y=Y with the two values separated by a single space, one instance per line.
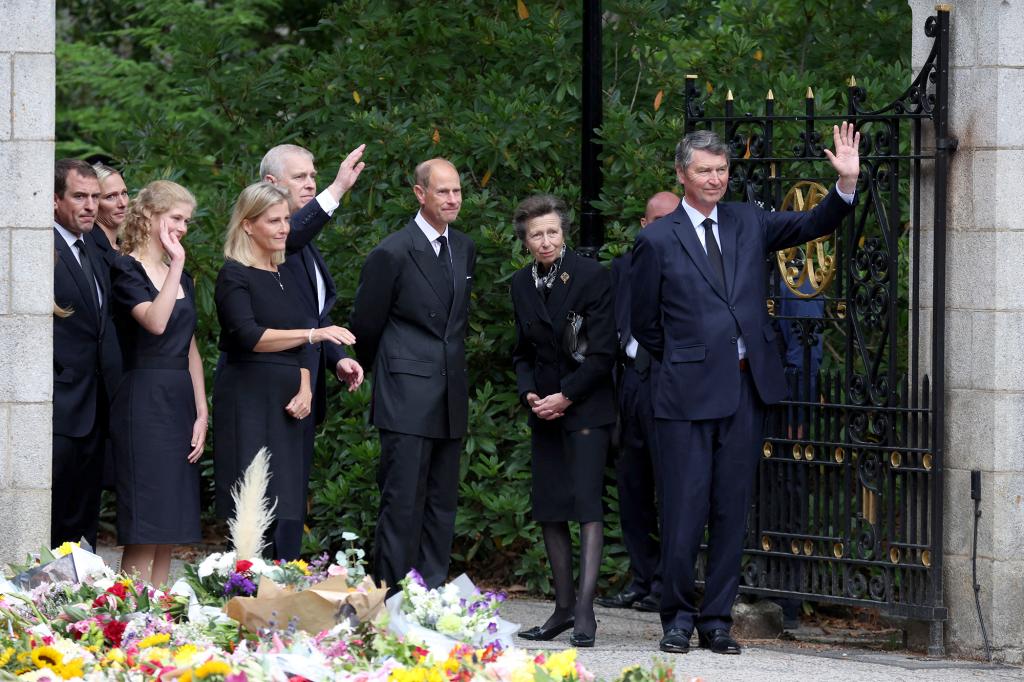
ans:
x=112 y=361
x=303 y=256
x=541 y=363
x=685 y=318
x=78 y=341
x=414 y=345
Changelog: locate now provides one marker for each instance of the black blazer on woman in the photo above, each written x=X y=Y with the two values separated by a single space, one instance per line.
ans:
x=541 y=362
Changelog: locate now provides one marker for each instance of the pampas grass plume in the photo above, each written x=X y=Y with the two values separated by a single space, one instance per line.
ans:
x=254 y=513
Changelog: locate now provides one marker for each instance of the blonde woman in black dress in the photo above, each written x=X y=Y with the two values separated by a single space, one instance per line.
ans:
x=158 y=417
x=262 y=393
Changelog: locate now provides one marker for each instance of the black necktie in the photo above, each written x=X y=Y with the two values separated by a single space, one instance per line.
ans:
x=90 y=276
x=445 y=260
x=714 y=253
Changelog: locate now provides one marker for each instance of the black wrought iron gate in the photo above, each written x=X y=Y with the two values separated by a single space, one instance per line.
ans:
x=849 y=501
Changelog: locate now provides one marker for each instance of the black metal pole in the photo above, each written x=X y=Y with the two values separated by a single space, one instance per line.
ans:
x=944 y=147
x=591 y=224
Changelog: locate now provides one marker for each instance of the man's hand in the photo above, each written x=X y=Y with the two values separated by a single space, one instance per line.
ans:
x=351 y=372
x=551 y=407
x=846 y=159
x=348 y=173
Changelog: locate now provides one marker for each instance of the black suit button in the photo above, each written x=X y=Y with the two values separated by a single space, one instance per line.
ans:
x=732 y=340
x=433 y=314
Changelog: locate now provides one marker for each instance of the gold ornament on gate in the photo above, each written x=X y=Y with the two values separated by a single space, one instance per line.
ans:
x=819 y=254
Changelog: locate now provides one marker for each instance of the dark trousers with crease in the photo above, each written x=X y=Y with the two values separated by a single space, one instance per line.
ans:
x=418 y=479
x=77 y=483
x=636 y=482
x=707 y=469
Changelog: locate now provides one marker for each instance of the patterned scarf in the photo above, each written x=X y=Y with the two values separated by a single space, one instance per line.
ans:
x=547 y=281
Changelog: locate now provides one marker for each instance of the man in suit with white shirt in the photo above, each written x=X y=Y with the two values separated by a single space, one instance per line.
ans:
x=410 y=321
x=634 y=466
x=699 y=287
x=292 y=167
x=81 y=292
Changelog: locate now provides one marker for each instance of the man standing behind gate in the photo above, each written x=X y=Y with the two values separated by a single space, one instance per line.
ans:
x=699 y=284
x=409 y=318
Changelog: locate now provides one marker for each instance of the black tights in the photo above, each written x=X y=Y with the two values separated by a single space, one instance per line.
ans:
x=571 y=602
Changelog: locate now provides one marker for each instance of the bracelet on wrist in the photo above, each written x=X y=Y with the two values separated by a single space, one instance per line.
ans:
x=312 y=329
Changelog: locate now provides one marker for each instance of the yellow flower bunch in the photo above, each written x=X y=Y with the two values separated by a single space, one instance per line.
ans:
x=435 y=673
x=562 y=664
x=46 y=657
x=212 y=668
x=65 y=549
x=185 y=654
x=154 y=640
x=301 y=565
x=6 y=655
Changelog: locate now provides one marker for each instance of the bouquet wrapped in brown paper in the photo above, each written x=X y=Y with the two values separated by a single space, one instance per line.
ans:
x=318 y=607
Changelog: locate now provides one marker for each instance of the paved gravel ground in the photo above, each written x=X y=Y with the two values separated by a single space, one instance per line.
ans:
x=626 y=638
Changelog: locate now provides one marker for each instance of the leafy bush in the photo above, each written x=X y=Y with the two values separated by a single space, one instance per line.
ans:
x=198 y=91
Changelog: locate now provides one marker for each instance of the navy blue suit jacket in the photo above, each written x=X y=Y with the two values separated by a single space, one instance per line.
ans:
x=322 y=358
x=688 y=321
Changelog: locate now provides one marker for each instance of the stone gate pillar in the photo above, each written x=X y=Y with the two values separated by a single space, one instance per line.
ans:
x=26 y=273
x=984 y=339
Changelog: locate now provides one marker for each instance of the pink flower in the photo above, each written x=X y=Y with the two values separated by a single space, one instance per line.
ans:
x=335 y=569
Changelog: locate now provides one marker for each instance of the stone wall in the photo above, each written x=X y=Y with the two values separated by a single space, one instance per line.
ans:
x=26 y=272
x=984 y=337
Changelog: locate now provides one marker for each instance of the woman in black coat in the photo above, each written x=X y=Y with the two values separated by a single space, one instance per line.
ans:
x=567 y=386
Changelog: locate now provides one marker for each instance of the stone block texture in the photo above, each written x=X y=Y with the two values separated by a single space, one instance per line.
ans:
x=27 y=83
x=984 y=313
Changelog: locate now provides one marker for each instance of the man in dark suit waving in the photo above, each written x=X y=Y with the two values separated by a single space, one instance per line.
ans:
x=699 y=287
x=409 y=320
x=81 y=290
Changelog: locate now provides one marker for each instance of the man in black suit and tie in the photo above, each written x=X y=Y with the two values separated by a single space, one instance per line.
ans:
x=699 y=283
x=81 y=288
x=291 y=167
x=634 y=467
x=409 y=320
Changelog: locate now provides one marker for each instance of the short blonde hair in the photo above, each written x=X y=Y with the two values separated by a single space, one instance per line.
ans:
x=253 y=202
x=103 y=171
x=155 y=198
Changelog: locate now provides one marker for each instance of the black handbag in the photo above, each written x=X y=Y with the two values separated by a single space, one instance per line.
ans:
x=574 y=337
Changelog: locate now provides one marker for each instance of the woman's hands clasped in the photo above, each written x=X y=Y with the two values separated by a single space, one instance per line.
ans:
x=549 y=407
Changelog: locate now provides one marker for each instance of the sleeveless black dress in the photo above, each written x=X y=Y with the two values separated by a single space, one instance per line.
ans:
x=252 y=389
x=152 y=416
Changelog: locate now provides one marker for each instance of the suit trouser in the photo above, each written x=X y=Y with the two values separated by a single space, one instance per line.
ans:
x=77 y=483
x=707 y=469
x=636 y=482
x=418 y=479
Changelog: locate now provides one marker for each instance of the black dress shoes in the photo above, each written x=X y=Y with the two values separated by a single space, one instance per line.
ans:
x=649 y=604
x=719 y=641
x=623 y=600
x=675 y=641
x=539 y=633
x=581 y=640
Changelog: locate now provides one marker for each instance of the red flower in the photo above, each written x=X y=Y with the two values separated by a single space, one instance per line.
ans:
x=113 y=631
x=118 y=590
x=419 y=653
x=242 y=565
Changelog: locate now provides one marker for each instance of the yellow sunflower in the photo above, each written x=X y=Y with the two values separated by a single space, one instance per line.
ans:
x=154 y=640
x=71 y=669
x=46 y=657
x=212 y=667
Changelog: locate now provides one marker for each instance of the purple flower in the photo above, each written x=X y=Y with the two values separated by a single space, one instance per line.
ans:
x=415 y=576
x=492 y=627
x=239 y=585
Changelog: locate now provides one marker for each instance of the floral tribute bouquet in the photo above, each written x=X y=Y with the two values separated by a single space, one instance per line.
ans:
x=456 y=614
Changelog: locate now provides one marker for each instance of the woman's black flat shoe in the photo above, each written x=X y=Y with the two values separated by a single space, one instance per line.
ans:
x=539 y=633
x=581 y=640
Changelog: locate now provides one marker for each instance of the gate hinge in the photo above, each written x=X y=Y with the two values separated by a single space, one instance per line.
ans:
x=947 y=143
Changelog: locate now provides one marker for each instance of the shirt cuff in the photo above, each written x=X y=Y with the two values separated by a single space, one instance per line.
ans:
x=328 y=203
x=848 y=198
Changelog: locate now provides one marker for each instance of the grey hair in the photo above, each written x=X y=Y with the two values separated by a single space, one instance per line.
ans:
x=273 y=160
x=536 y=206
x=703 y=140
x=103 y=171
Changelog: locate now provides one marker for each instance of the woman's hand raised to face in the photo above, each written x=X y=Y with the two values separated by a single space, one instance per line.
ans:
x=171 y=242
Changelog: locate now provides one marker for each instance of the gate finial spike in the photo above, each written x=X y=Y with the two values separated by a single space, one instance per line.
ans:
x=810 y=93
x=770 y=95
x=728 y=96
x=853 y=82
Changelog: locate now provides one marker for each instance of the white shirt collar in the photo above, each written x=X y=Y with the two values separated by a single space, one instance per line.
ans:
x=69 y=237
x=428 y=230
x=696 y=217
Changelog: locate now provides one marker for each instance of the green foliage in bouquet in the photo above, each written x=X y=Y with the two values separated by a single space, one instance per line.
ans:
x=198 y=91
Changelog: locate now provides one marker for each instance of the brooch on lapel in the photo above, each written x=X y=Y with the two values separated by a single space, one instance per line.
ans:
x=565 y=278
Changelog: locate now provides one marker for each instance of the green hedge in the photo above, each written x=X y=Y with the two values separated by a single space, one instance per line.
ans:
x=197 y=91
